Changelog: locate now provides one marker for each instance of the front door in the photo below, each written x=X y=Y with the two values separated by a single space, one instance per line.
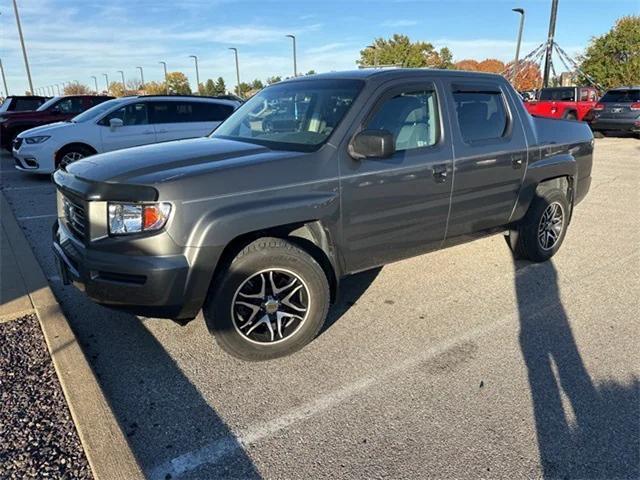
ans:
x=135 y=129
x=397 y=207
x=490 y=157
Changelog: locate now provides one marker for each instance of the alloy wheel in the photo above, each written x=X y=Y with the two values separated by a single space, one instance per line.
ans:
x=550 y=226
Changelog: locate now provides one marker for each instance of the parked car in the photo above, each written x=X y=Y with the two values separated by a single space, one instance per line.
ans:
x=116 y=124
x=618 y=111
x=21 y=103
x=257 y=223
x=570 y=103
x=56 y=109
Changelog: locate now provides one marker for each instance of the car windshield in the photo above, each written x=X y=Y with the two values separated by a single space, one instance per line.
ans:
x=621 y=96
x=5 y=104
x=297 y=116
x=96 y=111
x=47 y=104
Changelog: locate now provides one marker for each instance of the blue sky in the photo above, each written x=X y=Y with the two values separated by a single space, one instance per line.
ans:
x=73 y=39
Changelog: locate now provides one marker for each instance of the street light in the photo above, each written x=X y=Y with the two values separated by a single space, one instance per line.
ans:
x=24 y=49
x=235 y=51
x=4 y=80
x=141 y=77
x=515 y=62
x=195 y=58
x=375 y=55
x=295 y=62
x=58 y=88
x=166 y=83
x=95 y=80
x=106 y=79
x=124 y=87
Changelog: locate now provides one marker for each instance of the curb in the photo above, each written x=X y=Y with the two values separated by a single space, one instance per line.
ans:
x=104 y=443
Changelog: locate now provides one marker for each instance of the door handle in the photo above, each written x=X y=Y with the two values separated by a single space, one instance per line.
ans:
x=517 y=161
x=439 y=173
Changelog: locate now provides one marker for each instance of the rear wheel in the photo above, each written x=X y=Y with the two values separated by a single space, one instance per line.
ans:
x=72 y=153
x=271 y=301
x=541 y=232
x=571 y=116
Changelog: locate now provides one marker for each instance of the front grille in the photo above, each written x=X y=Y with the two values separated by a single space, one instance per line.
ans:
x=75 y=215
x=17 y=142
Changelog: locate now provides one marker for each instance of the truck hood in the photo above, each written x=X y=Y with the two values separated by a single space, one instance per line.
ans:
x=48 y=129
x=163 y=162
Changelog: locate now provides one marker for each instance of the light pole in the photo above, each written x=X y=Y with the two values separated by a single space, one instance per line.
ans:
x=195 y=58
x=295 y=60
x=166 y=83
x=552 y=32
x=141 y=77
x=106 y=79
x=4 y=80
x=95 y=80
x=24 y=49
x=375 y=55
x=515 y=62
x=124 y=87
x=235 y=51
x=58 y=88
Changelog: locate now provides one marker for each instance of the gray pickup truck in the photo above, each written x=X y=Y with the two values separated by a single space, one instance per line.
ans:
x=311 y=180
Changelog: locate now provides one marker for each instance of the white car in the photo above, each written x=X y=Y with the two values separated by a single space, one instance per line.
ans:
x=116 y=124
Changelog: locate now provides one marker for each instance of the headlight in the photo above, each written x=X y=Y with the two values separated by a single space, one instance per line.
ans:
x=127 y=218
x=38 y=139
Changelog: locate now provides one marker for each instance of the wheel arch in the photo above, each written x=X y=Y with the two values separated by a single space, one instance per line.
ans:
x=73 y=144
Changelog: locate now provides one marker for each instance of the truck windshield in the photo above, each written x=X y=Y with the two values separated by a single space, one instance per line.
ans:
x=297 y=116
x=621 y=96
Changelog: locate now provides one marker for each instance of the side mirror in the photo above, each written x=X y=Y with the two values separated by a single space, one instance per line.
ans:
x=115 y=123
x=372 y=144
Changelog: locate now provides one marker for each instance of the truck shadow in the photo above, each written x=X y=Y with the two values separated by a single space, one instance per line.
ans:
x=583 y=430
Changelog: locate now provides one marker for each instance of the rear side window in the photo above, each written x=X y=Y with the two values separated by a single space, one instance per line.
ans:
x=22 y=104
x=211 y=112
x=481 y=115
x=411 y=117
x=621 y=96
x=558 y=94
x=172 y=112
x=132 y=114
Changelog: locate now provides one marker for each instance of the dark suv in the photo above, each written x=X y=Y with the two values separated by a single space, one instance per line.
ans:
x=56 y=109
x=618 y=111
x=310 y=180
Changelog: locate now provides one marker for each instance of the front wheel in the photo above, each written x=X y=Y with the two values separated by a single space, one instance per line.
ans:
x=542 y=230
x=70 y=154
x=271 y=301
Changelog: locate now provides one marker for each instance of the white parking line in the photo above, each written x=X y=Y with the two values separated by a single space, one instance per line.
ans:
x=35 y=217
x=216 y=450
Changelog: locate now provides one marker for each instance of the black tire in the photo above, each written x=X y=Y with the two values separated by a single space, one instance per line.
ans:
x=571 y=116
x=72 y=149
x=598 y=134
x=524 y=239
x=253 y=264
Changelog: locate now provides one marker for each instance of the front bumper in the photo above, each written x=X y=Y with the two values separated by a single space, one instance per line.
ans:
x=34 y=158
x=152 y=286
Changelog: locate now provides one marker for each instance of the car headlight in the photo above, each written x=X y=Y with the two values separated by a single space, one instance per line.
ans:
x=37 y=139
x=125 y=218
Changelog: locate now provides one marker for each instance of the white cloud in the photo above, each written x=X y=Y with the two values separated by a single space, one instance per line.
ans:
x=399 y=23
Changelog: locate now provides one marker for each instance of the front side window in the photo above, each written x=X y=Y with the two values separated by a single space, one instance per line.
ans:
x=297 y=116
x=411 y=117
x=132 y=114
x=481 y=115
x=69 y=105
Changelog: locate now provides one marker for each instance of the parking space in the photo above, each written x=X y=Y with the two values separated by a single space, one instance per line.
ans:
x=460 y=363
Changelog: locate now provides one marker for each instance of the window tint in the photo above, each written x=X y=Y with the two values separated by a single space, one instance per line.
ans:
x=481 y=115
x=69 y=105
x=621 y=96
x=132 y=114
x=210 y=112
x=22 y=104
x=411 y=117
x=558 y=94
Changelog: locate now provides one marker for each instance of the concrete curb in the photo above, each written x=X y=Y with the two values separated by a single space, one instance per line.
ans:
x=104 y=443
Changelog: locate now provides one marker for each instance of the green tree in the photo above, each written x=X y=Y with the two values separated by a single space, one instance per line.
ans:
x=257 y=84
x=207 y=88
x=311 y=72
x=272 y=80
x=221 y=87
x=613 y=59
x=243 y=90
x=178 y=83
x=400 y=50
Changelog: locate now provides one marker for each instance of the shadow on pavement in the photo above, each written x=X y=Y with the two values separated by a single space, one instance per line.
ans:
x=583 y=430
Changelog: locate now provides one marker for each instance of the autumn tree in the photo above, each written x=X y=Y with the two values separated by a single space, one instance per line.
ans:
x=178 y=83
x=400 y=50
x=467 y=64
x=76 y=88
x=613 y=59
x=491 y=65
x=155 y=88
x=529 y=76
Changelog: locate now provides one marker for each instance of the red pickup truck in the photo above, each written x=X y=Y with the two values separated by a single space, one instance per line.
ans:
x=571 y=103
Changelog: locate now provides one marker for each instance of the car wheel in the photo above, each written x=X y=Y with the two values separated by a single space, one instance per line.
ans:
x=541 y=232
x=72 y=153
x=571 y=116
x=598 y=134
x=271 y=301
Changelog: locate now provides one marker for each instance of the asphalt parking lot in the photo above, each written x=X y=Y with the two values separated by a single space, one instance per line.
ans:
x=459 y=364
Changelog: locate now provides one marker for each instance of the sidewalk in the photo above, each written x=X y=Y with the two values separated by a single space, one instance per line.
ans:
x=14 y=295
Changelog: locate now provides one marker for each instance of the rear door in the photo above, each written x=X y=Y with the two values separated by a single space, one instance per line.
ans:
x=490 y=156
x=397 y=207
x=175 y=120
x=135 y=129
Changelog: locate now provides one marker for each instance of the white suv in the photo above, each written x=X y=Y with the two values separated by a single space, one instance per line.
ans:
x=116 y=124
